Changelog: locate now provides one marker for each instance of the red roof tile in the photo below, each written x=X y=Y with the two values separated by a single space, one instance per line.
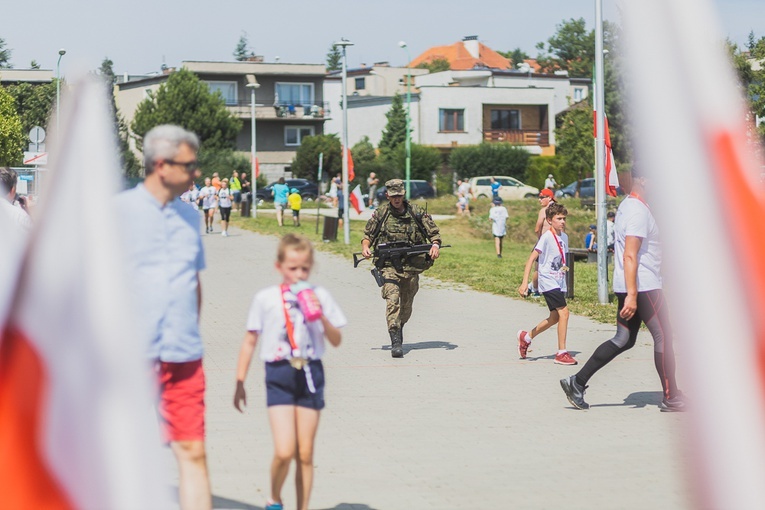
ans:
x=460 y=59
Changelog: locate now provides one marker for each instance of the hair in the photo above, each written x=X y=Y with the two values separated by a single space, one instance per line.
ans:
x=162 y=142
x=281 y=180
x=8 y=179
x=555 y=209
x=293 y=242
x=611 y=214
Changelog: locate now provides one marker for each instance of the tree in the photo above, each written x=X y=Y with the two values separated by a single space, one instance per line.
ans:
x=756 y=87
x=575 y=140
x=517 y=56
x=5 y=55
x=334 y=59
x=571 y=48
x=131 y=167
x=490 y=159
x=306 y=162
x=241 y=52
x=435 y=65
x=395 y=130
x=186 y=101
x=11 y=135
x=34 y=65
x=424 y=163
x=34 y=103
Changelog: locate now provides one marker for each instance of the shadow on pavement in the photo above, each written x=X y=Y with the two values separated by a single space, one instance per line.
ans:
x=424 y=345
x=221 y=503
x=550 y=356
x=637 y=400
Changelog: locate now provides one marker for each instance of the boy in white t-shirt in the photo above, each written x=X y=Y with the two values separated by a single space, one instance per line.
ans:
x=498 y=216
x=291 y=348
x=551 y=250
x=209 y=196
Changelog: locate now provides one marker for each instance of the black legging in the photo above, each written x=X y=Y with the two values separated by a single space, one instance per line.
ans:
x=651 y=309
x=225 y=213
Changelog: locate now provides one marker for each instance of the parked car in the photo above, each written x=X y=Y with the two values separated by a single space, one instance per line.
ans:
x=417 y=189
x=512 y=189
x=308 y=190
x=586 y=189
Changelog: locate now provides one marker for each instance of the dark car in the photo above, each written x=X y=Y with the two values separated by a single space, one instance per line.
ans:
x=307 y=189
x=417 y=189
x=586 y=190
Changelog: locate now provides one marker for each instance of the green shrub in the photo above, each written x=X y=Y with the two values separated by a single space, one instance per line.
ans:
x=490 y=159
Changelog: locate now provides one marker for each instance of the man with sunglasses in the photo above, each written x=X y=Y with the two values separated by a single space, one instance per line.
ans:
x=163 y=252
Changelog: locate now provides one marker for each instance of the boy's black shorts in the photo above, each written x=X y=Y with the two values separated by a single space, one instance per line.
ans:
x=555 y=299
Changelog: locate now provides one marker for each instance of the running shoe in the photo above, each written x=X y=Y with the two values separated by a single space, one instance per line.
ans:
x=673 y=405
x=274 y=506
x=224 y=233
x=574 y=392
x=523 y=345
x=565 y=358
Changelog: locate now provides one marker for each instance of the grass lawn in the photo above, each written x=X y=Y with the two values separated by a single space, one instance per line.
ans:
x=471 y=260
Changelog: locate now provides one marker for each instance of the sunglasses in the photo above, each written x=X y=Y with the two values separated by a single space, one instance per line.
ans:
x=190 y=167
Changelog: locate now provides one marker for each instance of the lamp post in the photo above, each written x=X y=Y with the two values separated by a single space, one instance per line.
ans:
x=346 y=226
x=600 y=155
x=61 y=53
x=253 y=146
x=408 y=140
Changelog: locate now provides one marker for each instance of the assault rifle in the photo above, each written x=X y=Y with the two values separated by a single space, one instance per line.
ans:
x=396 y=253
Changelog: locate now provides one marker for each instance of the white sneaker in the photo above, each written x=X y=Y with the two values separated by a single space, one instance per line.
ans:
x=224 y=233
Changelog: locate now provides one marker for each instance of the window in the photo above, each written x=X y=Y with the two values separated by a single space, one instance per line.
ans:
x=294 y=135
x=452 y=120
x=294 y=93
x=227 y=90
x=361 y=83
x=578 y=94
x=505 y=119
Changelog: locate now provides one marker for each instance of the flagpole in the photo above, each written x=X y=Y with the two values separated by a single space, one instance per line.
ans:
x=346 y=226
x=318 y=199
x=600 y=153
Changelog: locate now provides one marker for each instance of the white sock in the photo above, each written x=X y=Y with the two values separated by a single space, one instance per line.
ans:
x=562 y=352
x=527 y=338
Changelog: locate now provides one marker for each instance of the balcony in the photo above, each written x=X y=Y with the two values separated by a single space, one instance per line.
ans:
x=517 y=136
x=312 y=111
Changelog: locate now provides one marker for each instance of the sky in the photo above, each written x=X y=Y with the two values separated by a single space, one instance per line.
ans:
x=140 y=35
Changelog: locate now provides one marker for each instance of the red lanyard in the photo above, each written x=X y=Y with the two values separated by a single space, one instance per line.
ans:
x=288 y=321
x=558 y=244
x=635 y=195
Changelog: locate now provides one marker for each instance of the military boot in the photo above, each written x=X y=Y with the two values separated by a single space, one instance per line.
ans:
x=397 y=350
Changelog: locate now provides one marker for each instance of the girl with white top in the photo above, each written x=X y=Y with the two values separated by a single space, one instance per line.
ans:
x=291 y=347
x=224 y=204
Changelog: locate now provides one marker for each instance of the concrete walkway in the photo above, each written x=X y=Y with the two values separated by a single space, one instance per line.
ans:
x=459 y=423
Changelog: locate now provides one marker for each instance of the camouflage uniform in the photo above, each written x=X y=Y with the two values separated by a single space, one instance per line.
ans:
x=412 y=226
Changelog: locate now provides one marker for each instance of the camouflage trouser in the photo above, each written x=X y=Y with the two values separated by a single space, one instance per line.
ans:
x=399 y=296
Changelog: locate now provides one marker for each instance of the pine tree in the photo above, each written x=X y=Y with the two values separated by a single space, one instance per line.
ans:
x=5 y=55
x=334 y=59
x=241 y=53
x=395 y=131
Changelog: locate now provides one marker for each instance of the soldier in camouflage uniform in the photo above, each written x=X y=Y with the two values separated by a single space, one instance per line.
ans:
x=398 y=221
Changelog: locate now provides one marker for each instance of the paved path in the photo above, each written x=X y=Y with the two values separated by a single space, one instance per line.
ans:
x=460 y=422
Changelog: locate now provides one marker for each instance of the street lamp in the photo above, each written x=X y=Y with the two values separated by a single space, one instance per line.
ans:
x=346 y=226
x=252 y=85
x=61 y=53
x=408 y=140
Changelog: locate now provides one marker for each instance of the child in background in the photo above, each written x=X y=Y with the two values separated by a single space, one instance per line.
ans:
x=551 y=250
x=295 y=201
x=463 y=206
x=591 y=239
x=498 y=216
x=291 y=347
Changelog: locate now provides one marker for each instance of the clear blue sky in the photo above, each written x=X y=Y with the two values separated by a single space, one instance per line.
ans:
x=140 y=35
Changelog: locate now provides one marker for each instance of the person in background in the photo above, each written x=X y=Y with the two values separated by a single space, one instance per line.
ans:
x=372 y=182
x=550 y=182
x=215 y=181
x=164 y=255
x=495 y=187
x=191 y=196
x=591 y=239
x=280 y=191
x=463 y=206
x=224 y=203
x=18 y=213
x=209 y=196
x=498 y=216
x=235 y=186
x=246 y=189
x=610 y=234
x=295 y=201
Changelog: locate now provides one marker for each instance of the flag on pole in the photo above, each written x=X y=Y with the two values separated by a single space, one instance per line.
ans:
x=351 y=173
x=717 y=278
x=612 y=180
x=77 y=426
x=256 y=172
x=357 y=201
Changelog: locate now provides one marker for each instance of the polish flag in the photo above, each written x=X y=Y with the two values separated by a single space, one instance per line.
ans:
x=612 y=180
x=714 y=243
x=357 y=201
x=77 y=426
x=256 y=171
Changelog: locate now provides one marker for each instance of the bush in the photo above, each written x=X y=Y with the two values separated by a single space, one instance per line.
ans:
x=490 y=159
x=425 y=162
x=306 y=162
x=542 y=166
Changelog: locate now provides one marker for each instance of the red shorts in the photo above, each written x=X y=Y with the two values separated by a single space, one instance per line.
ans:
x=182 y=400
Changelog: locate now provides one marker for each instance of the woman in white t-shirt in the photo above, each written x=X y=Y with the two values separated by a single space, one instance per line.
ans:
x=224 y=205
x=291 y=347
x=638 y=288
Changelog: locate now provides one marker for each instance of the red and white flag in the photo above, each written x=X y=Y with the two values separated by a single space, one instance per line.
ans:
x=77 y=426
x=357 y=201
x=709 y=204
x=351 y=171
x=256 y=168
x=612 y=180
